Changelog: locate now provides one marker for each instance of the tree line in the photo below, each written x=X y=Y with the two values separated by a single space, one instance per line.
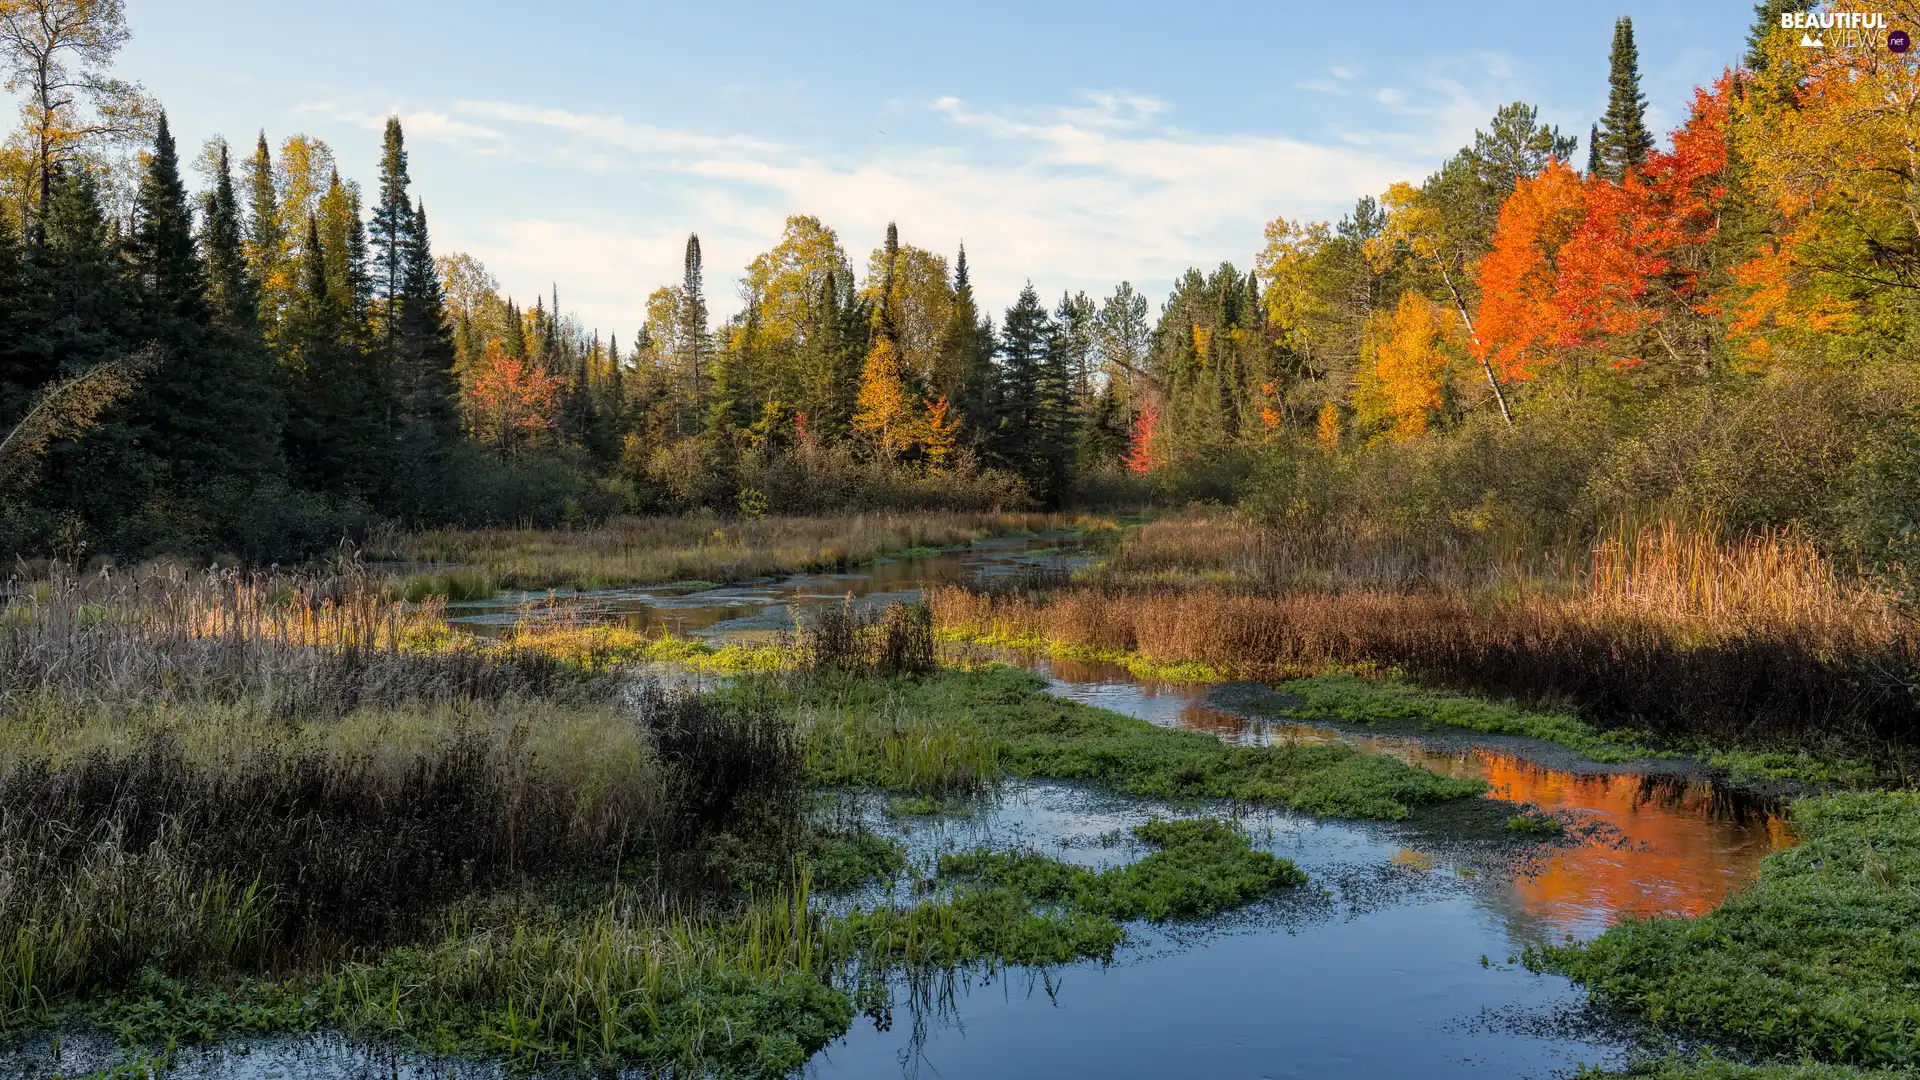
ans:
x=1506 y=341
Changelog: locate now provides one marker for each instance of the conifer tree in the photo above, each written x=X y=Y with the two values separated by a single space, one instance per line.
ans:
x=335 y=441
x=231 y=288
x=695 y=337
x=393 y=219
x=426 y=387
x=1024 y=342
x=976 y=388
x=1625 y=139
x=1594 y=163
x=266 y=240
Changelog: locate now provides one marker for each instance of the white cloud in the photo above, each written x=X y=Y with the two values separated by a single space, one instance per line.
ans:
x=1080 y=195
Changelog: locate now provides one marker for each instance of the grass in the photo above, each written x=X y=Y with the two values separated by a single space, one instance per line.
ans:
x=251 y=804
x=1818 y=962
x=1754 y=653
x=1024 y=907
x=960 y=730
x=1357 y=700
x=652 y=551
x=1203 y=866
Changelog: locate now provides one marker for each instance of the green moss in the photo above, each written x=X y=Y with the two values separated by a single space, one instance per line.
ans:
x=1535 y=823
x=1372 y=701
x=1203 y=867
x=1025 y=908
x=1819 y=960
x=1032 y=733
x=1716 y=1068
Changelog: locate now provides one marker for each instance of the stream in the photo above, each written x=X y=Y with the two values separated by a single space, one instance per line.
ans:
x=1397 y=959
x=1394 y=961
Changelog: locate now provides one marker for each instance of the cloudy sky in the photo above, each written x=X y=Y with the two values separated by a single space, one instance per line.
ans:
x=577 y=143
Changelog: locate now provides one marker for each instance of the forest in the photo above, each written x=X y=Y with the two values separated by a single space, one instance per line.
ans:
x=1716 y=326
x=398 y=674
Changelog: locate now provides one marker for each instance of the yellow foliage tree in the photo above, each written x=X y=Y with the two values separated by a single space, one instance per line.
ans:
x=938 y=434
x=1404 y=366
x=885 y=411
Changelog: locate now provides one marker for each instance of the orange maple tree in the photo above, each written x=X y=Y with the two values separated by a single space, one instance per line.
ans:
x=1607 y=269
x=513 y=400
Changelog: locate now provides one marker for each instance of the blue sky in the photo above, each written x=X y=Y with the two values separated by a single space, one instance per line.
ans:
x=1073 y=144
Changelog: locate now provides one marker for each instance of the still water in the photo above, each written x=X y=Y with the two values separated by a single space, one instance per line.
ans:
x=1394 y=961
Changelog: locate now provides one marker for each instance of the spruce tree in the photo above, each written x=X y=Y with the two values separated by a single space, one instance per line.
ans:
x=1766 y=21
x=1025 y=389
x=392 y=222
x=695 y=340
x=1594 y=162
x=334 y=429
x=975 y=393
x=426 y=388
x=236 y=300
x=203 y=402
x=1625 y=141
x=266 y=239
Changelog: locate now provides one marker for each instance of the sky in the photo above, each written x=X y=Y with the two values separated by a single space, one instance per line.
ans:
x=576 y=144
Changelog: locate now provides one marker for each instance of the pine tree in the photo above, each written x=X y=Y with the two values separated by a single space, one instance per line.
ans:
x=1594 y=164
x=695 y=337
x=1625 y=139
x=976 y=390
x=266 y=240
x=231 y=288
x=393 y=220
x=1021 y=439
x=334 y=440
x=426 y=387
x=1766 y=21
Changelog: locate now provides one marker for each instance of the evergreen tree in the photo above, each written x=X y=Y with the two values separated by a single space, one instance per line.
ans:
x=695 y=337
x=204 y=404
x=266 y=241
x=1025 y=388
x=976 y=389
x=1625 y=140
x=231 y=288
x=393 y=220
x=426 y=387
x=1594 y=164
x=334 y=428
x=1766 y=21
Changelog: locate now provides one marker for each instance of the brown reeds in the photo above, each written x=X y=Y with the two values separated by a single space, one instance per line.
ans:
x=1662 y=629
x=634 y=551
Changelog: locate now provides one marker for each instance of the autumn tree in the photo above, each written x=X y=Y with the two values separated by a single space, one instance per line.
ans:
x=58 y=56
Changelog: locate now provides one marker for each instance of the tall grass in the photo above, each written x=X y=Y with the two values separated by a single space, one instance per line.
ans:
x=1657 y=628
x=639 y=551
x=219 y=774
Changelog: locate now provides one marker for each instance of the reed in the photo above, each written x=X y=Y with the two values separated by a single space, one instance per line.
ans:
x=1659 y=629
x=642 y=551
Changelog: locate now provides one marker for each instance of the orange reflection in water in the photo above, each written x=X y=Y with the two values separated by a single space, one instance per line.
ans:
x=1682 y=845
x=1649 y=845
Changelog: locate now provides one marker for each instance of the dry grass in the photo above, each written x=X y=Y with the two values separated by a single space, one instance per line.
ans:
x=1660 y=629
x=640 y=551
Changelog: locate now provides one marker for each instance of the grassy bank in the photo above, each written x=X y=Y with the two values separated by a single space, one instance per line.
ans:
x=243 y=804
x=465 y=564
x=959 y=730
x=1662 y=636
x=1818 y=963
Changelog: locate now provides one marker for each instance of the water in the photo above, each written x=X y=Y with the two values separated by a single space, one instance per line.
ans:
x=1394 y=961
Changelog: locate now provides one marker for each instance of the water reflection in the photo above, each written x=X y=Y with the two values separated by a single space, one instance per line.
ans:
x=1653 y=843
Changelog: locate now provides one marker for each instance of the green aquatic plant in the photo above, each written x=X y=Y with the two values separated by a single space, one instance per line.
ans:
x=1203 y=866
x=1819 y=960
x=974 y=725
